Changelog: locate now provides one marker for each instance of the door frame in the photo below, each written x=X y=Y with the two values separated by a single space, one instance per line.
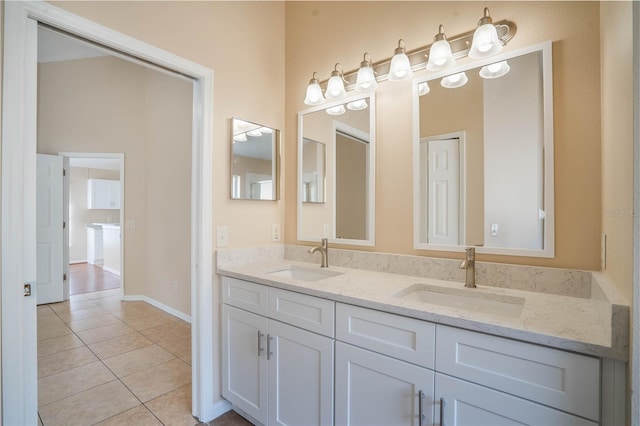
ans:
x=101 y=155
x=19 y=360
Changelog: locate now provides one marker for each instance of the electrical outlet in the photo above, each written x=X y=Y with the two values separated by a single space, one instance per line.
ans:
x=175 y=286
x=275 y=232
x=131 y=223
x=222 y=236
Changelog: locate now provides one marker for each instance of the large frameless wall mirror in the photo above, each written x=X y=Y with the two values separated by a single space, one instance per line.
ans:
x=483 y=156
x=336 y=176
x=254 y=161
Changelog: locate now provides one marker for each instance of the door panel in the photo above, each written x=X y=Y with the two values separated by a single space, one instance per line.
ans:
x=49 y=229
x=444 y=191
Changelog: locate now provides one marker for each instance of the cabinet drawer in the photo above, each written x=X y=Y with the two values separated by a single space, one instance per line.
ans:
x=304 y=311
x=556 y=378
x=245 y=295
x=404 y=338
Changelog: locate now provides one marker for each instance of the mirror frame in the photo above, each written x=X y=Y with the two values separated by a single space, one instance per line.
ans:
x=371 y=166
x=275 y=152
x=548 y=250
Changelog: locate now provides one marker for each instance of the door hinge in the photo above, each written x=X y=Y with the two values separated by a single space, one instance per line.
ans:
x=64 y=277
x=64 y=225
x=64 y=172
x=27 y=290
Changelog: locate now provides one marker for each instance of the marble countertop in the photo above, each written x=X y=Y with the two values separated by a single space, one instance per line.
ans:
x=584 y=325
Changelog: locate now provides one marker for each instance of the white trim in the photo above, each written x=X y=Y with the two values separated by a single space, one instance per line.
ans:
x=635 y=337
x=75 y=262
x=614 y=392
x=112 y=271
x=159 y=305
x=547 y=88
x=221 y=407
x=19 y=372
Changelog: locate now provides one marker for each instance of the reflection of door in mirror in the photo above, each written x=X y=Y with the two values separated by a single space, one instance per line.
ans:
x=313 y=171
x=351 y=186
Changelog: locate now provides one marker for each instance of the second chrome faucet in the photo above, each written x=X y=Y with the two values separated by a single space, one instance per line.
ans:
x=324 y=251
x=469 y=263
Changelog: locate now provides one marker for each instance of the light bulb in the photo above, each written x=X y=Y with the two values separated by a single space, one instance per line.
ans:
x=314 y=92
x=400 y=68
x=485 y=38
x=440 y=56
x=335 y=86
x=366 y=79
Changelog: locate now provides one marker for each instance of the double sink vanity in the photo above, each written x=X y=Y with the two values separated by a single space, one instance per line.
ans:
x=382 y=343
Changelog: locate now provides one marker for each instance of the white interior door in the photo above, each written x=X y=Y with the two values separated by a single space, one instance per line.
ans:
x=443 y=191
x=49 y=229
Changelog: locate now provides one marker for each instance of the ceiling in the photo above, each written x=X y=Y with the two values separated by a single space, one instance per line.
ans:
x=95 y=163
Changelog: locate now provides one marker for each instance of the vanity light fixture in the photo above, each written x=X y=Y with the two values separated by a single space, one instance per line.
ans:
x=241 y=137
x=454 y=80
x=358 y=105
x=485 y=38
x=366 y=79
x=336 y=110
x=268 y=130
x=400 y=68
x=335 y=86
x=314 y=92
x=440 y=56
x=255 y=133
x=495 y=70
x=423 y=88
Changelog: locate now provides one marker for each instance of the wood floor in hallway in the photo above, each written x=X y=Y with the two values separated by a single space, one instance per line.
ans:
x=85 y=278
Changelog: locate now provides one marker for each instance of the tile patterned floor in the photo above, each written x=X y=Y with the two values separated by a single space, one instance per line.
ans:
x=108 y=362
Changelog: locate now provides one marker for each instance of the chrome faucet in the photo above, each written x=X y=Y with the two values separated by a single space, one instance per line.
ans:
x=469 y=263
x=324 y=250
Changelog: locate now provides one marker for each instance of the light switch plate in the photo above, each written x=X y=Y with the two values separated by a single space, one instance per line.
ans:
x=222 y=236
x=275 y=232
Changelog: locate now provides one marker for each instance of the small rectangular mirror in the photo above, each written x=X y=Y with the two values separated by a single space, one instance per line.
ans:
x=254 y=161
x=313 y=171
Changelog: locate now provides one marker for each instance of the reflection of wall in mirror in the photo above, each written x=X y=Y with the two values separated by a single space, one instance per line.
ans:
x=313 y=172
x=513 y=156
x=351 y=187
x=248 y=168
x=319 y=126
x=444 y=111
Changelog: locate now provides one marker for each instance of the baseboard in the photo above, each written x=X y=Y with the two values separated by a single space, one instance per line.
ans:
x=73 y=262
x=111 y=270
x=159 y=305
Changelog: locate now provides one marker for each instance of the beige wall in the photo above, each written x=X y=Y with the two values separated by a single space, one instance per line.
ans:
x=110 y=105
x=79 y=215
x=243 y=43
x=572 y=26
x=617 y=136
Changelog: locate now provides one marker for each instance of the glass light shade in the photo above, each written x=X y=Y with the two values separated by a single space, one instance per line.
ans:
x=366 y=80
x=454 y=80
x=256 y=133
x=314 y=94
x=358 y=105
x=336 y=110
x=423 y=88
x=495 y=70
x=335 y=88
x=440 y=56
x=400 y=67
x=242 y=137
x=485 y=42
x=266 y=130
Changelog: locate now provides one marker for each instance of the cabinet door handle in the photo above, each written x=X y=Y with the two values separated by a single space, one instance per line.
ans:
x=260 y=348
x=420 y=407
x=442 y=411
x=269 y=353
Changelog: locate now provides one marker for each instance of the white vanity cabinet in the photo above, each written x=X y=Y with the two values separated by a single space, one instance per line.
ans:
x=276 y=372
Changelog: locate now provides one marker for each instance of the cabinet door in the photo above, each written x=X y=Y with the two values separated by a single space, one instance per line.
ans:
x=244 y=364
x=374 y=389
x=300 y=376
x=114 y=194
x=465 y=403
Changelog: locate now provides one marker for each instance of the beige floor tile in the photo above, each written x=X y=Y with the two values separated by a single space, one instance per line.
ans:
x=57 y=344
x=77 y=297
x=45 y=310
x=119 y=345
x=48 y=321
x=230 y=418
x=156 y=381
x=174 y=408
x=149 y=321
x=58 y=386
x=93 y=322
x=89 y=407
x=138 y=416
x=71 y=305
x=93 y=311
x=102 y=294
x=51 y=331
x=103 y=333
x=109 y=303
x=65 y=360
x=138 y=360
x=169 y=331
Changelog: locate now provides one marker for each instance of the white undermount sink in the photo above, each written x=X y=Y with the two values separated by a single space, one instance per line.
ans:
x=304 y=274
x=463 y=298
